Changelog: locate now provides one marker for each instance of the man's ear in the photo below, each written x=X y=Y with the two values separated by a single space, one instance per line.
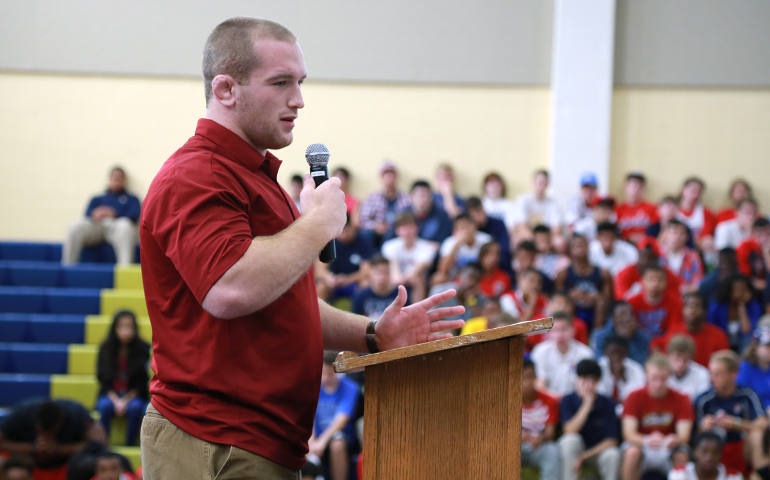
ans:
x=223 y=88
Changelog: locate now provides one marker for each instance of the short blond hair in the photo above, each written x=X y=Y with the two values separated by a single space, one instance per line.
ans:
x=728 y=358
x=658 y=360
x=681 y=344
x=229 y=49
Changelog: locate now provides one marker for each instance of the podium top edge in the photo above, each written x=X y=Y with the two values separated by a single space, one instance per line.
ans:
x=347 y=361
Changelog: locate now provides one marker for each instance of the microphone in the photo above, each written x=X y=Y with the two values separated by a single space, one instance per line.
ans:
x=317 y=156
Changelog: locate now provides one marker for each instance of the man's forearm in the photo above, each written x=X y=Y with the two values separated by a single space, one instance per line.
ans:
x=270 y=266
x=342 y=330
x=599 y=448
x=574 y=424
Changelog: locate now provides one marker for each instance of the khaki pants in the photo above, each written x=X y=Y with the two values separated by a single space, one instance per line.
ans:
x=119 y=232
x=169 y=453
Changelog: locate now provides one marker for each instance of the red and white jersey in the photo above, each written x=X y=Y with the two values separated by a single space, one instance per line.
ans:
x=699 y=219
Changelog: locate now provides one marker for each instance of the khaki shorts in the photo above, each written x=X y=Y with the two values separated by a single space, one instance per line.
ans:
x=169 y=453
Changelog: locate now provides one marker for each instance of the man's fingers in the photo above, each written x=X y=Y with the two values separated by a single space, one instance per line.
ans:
x=444 y=325
x=307 y=182
x=439 y=336
x=444 y=312
x=437 y=299
x=397 y=304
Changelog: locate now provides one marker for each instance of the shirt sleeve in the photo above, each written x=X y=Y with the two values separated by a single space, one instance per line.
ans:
x=567 y=409
x=755 y=406
x=204 y=226
x=631 y=406
x=685 y=408
x=553 y=411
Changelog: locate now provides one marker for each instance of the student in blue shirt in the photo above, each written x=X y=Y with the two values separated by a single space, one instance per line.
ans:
x=754 y=371
x=333 y=434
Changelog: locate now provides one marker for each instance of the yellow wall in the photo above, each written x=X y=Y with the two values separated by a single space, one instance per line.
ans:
x=61 y=133
x=670 y=134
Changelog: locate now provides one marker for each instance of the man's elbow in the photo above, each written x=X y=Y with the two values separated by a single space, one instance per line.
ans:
x=228 y=303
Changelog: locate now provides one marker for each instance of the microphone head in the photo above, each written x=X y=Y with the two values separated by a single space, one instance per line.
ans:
x=317 y=155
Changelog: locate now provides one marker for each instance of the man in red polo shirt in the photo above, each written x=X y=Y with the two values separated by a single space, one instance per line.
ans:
x=655 y=309
x=635 y=214
x=238 y=330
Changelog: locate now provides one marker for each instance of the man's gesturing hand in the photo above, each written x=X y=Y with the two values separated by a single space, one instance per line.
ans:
x=401 y=326
x=326 y=204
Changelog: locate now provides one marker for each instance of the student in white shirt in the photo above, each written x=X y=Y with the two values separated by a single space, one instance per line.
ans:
x=556 y=358
x=687 y=376
x=609 y=252
x=410 y=256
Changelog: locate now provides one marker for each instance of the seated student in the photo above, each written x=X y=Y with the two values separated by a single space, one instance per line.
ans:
x=610 y=253
x=374 y=299
x=623 y=324
x=351 y=202
x=707 y=455
x=732 y=232
x=656 y=419
x=433 y=223
x=15 y=468
x=735 y=311
x=536 y=208
x=539 y=419
x=620 y=374
x=589 y=287
x=49 y=432
x=524 y=259
x=707 y=338
x=602 y=212
x=700 y=220
x=547 y=260
x=526 y=302
x=462 y=247
x=668 y=209
x=684 y=262
x=494 y=280
x=561 y=302
x=109 y=467
x=122 y=373
x=733 y=412
x=635 y=214
x=334 y=437
x=445 y=196
x=754 y=254
x=468 y=292
x=655 y=309
x=492 y=226
x=410 y=256
x=754 y=371
x=378 y=211
x=687 y=377
x=494 y=199
x=739 y=190
x=110 y=218
x=347 y=273
x=590 y=426
x=581 y=206
x=627 y=282
x=727 y=266
x=555 y=358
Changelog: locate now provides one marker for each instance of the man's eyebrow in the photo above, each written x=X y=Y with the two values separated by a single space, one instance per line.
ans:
x=284 y=76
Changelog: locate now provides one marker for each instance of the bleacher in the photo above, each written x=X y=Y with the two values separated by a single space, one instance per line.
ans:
x=52 y=319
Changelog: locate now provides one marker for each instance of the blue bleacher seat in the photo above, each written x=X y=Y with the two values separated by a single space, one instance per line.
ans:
x=88 y=276
x=22 y=299
x=42 y=328
x=24 y=273
x=13 y=327
x=15 y=387
x=103 y=253
x=34 y=357
x=32 y=273
x=73 y=300
x=39 y=251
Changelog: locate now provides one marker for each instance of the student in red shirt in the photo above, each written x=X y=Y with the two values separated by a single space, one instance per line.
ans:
x=655 y=420
x=635 y=214
x=655 y=309
x=627 y=282
x=539 y=419
x=561 y=302
x=527 y=302
x=754 y=254
x=494 y=280
x=708 y=338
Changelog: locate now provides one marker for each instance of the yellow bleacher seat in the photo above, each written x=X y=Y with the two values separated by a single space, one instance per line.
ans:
x=82 y=359
x=98 y=325
x=80 y=388
x=128 y=277
x=114 y=300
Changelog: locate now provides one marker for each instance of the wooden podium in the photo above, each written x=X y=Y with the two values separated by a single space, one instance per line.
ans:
x=447 y=409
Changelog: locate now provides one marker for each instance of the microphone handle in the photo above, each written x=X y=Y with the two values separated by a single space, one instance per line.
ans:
x=329 y=252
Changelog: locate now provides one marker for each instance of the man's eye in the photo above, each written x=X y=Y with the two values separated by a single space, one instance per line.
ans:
x=280 y=84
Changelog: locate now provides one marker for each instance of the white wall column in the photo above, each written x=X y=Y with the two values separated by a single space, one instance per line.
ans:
x=581 y=89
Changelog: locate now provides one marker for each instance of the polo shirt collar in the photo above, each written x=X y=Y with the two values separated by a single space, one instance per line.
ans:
x=236 y=148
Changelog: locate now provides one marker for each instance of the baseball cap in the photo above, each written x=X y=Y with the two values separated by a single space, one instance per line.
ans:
x=588 y=180
x=650 y=242
x=386 y=166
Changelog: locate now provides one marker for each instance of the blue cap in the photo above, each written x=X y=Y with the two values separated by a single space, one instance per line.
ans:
x=588 y=180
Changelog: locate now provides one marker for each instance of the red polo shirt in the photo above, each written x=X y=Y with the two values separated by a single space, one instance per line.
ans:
x=253 y=381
